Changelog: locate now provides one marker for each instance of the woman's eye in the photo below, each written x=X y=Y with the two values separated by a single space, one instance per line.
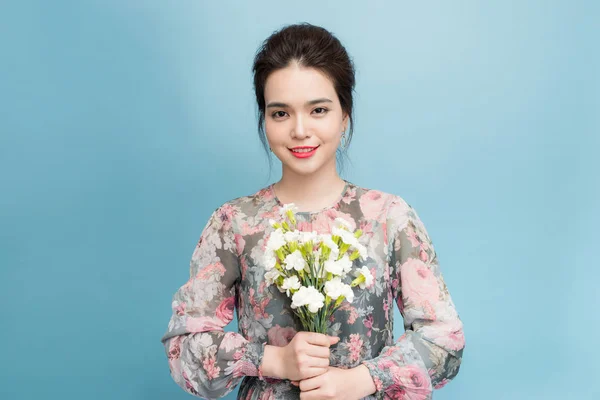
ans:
x=278 y=114
x=323 y=110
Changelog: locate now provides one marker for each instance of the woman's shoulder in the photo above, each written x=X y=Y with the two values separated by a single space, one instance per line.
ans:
x=384 y=198
x=250 y=204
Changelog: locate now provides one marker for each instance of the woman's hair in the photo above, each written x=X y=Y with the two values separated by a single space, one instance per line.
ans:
x=312 y=47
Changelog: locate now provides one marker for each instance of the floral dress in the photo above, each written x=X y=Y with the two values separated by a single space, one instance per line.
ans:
x=227 y=275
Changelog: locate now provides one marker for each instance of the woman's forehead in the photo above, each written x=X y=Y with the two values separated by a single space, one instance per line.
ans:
x=298 y=85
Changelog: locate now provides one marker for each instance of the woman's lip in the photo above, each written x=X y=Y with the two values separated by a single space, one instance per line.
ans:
x=305 y=154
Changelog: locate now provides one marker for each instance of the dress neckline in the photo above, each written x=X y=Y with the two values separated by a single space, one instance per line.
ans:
x=334 y=205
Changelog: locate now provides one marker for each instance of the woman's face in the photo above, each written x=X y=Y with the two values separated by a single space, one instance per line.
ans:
x=303 y=109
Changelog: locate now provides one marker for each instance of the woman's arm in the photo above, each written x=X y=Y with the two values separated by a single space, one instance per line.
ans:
x=203 y=359
x=429 y=353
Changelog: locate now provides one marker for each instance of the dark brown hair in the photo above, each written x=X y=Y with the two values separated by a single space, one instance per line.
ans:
x=312 y=47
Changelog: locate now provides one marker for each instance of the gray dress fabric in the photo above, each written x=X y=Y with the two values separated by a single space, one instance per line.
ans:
x=227 y=276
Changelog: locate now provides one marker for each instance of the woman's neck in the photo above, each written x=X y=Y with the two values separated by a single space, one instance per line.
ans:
x=309 y=193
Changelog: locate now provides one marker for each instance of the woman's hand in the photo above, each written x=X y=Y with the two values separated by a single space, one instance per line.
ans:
x=338 y=384
x=306 y=355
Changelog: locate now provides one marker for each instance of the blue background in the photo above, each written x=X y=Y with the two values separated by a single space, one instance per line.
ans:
x=124 y=124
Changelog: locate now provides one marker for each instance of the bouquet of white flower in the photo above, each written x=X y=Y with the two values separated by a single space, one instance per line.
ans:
x=310 y=267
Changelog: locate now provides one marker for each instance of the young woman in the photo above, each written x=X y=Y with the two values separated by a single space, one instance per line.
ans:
x=304 y=80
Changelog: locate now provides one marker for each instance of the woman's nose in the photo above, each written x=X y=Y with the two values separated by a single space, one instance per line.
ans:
x=299 y=127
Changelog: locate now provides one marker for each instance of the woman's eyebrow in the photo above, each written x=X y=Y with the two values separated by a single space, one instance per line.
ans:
x=308 y=103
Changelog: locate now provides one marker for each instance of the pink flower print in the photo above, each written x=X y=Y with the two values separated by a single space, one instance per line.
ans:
x=258 y=308
x=232 y=341
x=242 y=368
x=239 y=353
x=349 y=195
x=224 y=311
x=267 y=394
x=414 y=379
x=324 y=221
x=240 y=243
x=372 y=205
x=212 y=370
x=188 y=384
x=394 y=392
x=429 y=311
x=175 y=348
x=412 y=236
x=352 y=312
x=378 y=383
x=392 y=350
x=203 y=324
x=418 y=282
x=367 y=230
x=448 y=334
x=352 y=316
x=355 y=346
x=216 y=269
x=266 y=193
x=226 y=214
x=374 y=273
x=244 y=267
x=304 y=226
x=281 y=336
x=442 y=383
x=174 y=354
x=425 y=244
x=246 y=229
x=385 y=363
x=369 y=324
x=400 y=304
x=180 y=308
x=423 y=255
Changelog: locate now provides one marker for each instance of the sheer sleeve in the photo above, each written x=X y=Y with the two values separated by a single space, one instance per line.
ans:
x=203 y=359
x=429 y=353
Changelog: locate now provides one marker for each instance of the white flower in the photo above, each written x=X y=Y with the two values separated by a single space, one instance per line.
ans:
x=319 y=269
x=345 y=263
x=306 y=237
x=343 y=223
x=290 y=206
x=276 y=240
x=364 y=271
x=295 y=261
x=334 y=267
x=336 y=288
x=291 y=283
x=348 y=293
x=347 y=237
x=291 y=236
x=340 y=267
x=308 y=296
x=269 y=260
x=362 y=251
x=328 y=241
x=272 y=275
